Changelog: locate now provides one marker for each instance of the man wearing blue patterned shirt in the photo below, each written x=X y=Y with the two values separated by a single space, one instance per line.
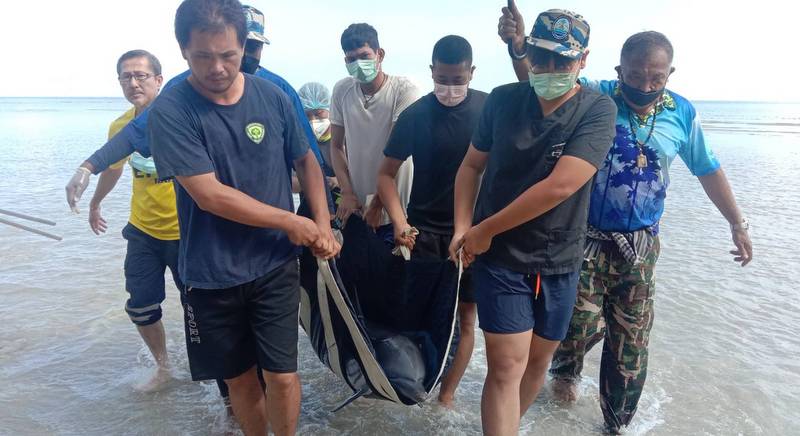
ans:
x=616 y=288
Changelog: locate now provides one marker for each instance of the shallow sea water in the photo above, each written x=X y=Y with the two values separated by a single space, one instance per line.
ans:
x=723 y=356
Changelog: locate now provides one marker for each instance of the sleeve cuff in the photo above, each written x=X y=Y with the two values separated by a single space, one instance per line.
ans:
x=482 y=147
x=707 y=170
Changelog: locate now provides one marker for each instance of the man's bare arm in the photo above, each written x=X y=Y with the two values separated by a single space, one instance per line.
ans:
x=511 y=29
x=349 y=203
x=720 y=193
x=568 y=176
x=339 y=159
x=387 y=190
x=214 y=197
x=108 y=180
x=465 y=194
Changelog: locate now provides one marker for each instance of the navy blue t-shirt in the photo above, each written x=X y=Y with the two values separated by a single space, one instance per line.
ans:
x=246 y=145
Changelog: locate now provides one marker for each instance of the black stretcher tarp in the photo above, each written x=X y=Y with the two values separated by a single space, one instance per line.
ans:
x=384 y=325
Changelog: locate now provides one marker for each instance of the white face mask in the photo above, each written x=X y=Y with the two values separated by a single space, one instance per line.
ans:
x=450 y=95
x=320 y=127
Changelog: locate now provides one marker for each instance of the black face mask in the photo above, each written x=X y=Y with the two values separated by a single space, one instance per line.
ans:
x=638 y=97
x=249 y=64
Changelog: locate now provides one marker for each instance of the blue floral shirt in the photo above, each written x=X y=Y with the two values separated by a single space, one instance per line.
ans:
x=626 y=198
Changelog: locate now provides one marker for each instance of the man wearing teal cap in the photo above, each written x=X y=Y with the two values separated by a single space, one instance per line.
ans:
x=536 y=147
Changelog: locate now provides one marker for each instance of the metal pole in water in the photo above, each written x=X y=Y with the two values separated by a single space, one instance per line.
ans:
x=30 y=229
x=27 y=217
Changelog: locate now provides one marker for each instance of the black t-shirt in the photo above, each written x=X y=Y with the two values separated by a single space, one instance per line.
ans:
x=247 y=145
x=523 y=149
x=437 y=137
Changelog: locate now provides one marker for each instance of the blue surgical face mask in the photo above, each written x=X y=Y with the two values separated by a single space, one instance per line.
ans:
x=143 y=164
x=550 y=86
x=363 y=70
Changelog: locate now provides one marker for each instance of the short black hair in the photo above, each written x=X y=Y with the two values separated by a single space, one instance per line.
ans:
x=639 y=44
x=358 y=35
x=541 y=56
x=209 y=16
x=155 y=65
x=452 y=50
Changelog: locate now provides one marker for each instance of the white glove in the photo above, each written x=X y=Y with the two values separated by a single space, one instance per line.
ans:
x=77 y=184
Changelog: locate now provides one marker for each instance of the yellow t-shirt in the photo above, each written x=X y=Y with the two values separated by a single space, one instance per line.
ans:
x=153 y=208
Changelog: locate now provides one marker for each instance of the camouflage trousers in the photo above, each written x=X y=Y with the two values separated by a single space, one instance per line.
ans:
x=615 y=303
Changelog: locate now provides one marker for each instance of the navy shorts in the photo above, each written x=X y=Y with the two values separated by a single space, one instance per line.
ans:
x=228 y=331
x=145 y=263
x=507 y=304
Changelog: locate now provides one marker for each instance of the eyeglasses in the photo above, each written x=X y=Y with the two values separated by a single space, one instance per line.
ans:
x=125 y=78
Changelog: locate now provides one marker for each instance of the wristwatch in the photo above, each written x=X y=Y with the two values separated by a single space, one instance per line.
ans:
x=744 y=225
x=514 y=55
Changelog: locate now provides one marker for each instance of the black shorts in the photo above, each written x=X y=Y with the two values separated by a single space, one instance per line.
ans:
x=431 y=245
x=230 y=330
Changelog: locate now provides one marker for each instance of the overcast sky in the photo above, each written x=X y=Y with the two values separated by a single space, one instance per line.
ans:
x=723 y=51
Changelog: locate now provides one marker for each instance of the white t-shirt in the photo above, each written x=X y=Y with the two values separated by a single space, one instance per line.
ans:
x=367 y=126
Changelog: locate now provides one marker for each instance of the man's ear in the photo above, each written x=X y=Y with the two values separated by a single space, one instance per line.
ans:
x=381 y=54
x=583 y=58
x=618 y=69
x=471 y=72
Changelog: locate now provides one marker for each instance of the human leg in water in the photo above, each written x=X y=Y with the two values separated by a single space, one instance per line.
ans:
x=553 y=304
x=155 y=339
x=224 y=392
x=466 y=318
x=146 y=260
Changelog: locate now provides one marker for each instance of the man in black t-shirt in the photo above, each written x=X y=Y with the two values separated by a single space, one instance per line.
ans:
x=435 y=131
x=227 y=139
x=537 y=146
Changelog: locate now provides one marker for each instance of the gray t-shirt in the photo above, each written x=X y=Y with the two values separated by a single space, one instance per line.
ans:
x=367 y=125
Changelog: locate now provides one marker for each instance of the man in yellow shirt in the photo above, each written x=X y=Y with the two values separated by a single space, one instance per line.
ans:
x=152 y=230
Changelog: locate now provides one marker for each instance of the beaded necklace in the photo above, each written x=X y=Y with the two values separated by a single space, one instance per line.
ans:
x=641 y=160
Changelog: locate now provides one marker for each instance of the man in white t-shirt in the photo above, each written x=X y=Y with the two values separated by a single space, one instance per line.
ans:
x=364 y=108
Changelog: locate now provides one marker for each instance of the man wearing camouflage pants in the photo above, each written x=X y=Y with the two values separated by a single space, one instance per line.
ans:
x=616 y=286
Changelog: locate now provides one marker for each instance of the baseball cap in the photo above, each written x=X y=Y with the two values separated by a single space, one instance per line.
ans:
x=560 y=31
x=255 y=24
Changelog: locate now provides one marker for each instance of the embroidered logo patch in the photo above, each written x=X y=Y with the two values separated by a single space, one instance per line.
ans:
x=255 y=131
x=561 y=28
